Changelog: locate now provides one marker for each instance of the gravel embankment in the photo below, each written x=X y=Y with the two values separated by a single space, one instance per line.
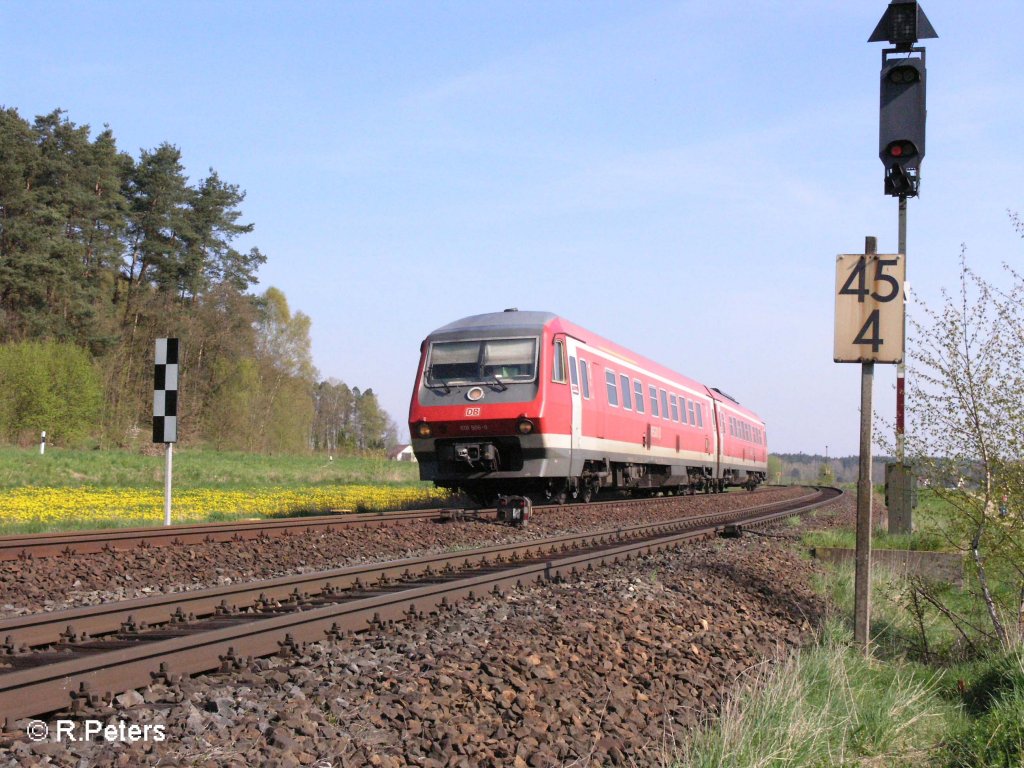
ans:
x=613 y=667
x=55 y=583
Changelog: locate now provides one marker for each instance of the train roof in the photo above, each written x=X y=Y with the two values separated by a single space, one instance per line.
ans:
x=511 y=320
x=515 y=321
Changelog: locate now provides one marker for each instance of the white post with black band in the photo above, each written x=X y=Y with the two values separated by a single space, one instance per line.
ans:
x=165 y=409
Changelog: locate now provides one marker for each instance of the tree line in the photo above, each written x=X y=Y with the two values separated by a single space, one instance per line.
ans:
x=101 y=253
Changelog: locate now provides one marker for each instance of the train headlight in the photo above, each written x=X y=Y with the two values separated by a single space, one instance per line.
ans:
x=524 y=426
x=423 y=429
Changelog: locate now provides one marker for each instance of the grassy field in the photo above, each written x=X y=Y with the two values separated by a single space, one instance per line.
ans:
x=66 y=489
x=926 y=697
x=192 y=469
x=934 y=706
x=931 y=530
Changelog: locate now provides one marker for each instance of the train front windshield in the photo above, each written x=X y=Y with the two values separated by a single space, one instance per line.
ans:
x=508 y=361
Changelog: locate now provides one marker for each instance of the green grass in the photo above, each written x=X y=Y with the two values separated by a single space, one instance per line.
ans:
x=826 y=706
x=193 y=468
x=81 y=489
x=844 y=539
x=932 y=525
x=924 y=698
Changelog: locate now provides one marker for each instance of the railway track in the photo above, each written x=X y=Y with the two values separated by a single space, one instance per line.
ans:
x=75 y=656
x=84 y=542
x=34 y=545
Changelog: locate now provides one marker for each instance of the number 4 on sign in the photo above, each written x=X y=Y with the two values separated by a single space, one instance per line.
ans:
x=869 y=333
x=870 y=308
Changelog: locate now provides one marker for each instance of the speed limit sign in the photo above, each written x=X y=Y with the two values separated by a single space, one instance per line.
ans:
x=870 y=307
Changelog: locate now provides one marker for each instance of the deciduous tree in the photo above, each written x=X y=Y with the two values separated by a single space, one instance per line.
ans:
x=966 y=432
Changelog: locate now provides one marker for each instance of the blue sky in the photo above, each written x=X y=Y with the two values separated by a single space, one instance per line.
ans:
x=677 y=176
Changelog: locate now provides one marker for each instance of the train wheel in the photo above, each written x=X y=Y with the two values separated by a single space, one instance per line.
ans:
x=587 y=493
x=559 y=494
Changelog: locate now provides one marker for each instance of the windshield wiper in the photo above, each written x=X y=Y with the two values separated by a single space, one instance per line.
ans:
x=497 y=384
x=443 y=387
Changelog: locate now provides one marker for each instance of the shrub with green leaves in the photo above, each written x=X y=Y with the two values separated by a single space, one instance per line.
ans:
x=48 y=386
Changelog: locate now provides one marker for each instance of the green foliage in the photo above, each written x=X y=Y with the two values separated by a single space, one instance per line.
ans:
x=107 y=253
x=47 y=386
x=967 y=431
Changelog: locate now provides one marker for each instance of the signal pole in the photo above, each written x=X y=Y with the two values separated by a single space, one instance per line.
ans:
x=901 y=369
x=901 y=146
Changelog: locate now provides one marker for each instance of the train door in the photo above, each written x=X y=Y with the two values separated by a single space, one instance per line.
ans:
x=576 y=418
x=710 y=438
x=717 y=423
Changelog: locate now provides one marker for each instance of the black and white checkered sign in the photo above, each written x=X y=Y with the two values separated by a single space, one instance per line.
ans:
x=165 y=392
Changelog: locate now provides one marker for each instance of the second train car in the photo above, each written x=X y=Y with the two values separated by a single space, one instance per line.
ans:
x=529 y=403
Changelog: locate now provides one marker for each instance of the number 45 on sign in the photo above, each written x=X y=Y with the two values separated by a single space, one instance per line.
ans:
x=870 y=308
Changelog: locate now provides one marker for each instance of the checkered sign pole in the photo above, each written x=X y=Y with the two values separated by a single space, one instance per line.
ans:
x=165 y=409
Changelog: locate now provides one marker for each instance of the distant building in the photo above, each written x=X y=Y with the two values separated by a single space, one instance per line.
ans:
x=402 y=453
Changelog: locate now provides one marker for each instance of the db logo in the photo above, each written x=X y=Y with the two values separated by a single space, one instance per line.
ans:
x=472 y=411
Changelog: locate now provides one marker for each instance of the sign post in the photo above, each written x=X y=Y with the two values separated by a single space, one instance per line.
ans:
x=165 y=409
x=869 y=328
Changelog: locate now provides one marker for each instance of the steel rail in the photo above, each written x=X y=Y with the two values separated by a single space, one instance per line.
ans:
x=40 y=689
x=22 y=546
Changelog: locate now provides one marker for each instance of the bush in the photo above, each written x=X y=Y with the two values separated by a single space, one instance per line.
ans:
x=48 y=386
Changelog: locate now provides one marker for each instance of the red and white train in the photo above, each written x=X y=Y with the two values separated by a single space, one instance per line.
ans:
x=529 y=403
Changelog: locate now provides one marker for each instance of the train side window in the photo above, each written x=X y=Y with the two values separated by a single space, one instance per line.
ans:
x=664 y=404
x=558 y=362
x=638 y=390
x=584 y=379
x=700 y=416
x=573 y=377
x=675 y=407
x=613 y=391
x=693 y=418
x=627 y=393
x=653 y=391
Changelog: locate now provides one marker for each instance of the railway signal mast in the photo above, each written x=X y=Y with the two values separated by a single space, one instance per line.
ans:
x=901 y=147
